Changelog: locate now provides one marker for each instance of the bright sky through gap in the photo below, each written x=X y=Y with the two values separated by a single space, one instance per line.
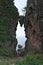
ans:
x=20 y=4
x=20 y=32
x=20 y=35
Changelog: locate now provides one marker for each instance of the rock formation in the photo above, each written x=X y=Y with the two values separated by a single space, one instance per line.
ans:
x=33 y=26
x=8 y=21
x=33 y=22
x=33 y=32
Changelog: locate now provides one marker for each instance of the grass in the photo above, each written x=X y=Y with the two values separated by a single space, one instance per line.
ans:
x=7 y=62
x=4 y=63
x=31 y=60
x=4 y=29
x=27 y=60
x=5 y=52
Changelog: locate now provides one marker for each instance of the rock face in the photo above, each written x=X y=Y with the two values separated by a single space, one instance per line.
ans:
x=33 y=22
x=34 y=12
x=40 y=19
x=8 y=22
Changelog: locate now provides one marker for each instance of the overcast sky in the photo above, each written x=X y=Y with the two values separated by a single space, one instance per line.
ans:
x=20 y=33
x=20 y=4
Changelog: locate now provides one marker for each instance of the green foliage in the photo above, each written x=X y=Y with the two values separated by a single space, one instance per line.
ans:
x=4 y=63
x=8 y=11
x=19 y=63
x=8 y=8
x=4 y=27
x=5 y=52
x=31 y=60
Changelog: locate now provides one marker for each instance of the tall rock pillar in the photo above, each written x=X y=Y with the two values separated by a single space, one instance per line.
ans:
x=33 y=43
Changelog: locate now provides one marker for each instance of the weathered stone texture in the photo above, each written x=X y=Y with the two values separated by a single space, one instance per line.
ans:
x=33 y=29
x=33 y=22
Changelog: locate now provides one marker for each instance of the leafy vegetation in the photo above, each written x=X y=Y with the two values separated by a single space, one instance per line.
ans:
x=8 y=11
x=27 y=60
x=7 y=62
x=31 y=60
x=5 y=52
x=4 y=63
x=4 y=34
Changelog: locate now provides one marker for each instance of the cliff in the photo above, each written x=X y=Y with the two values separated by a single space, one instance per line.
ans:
x=33 y=22
x=8 y=21
x=34 y=15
